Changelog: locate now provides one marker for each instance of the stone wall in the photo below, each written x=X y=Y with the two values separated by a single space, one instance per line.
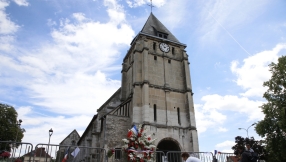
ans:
x=116 y=129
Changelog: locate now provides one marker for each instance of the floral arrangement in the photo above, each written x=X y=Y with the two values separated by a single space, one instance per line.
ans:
x=139 y=146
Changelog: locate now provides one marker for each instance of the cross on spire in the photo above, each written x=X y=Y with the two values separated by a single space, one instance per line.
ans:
x=151 y=5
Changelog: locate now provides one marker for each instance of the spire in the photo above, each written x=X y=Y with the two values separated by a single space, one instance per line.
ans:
x=154 y=27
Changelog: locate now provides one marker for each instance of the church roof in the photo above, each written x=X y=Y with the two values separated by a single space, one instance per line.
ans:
x=153 y=26
x=70 y=134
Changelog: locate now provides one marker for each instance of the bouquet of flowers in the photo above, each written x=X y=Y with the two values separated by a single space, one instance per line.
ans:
x=138 y=145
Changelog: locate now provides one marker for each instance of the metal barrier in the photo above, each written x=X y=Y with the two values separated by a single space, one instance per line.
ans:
x=175 y=156
x=15 y=150
x=23 y=152
x=225 y=157
x=121 y=156
x=56 y=153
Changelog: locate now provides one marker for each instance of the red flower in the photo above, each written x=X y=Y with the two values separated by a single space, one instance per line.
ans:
x=149 y=138
x=139 y=134
x=5 y=154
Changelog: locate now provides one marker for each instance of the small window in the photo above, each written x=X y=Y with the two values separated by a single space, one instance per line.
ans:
x=101 y=125
x=117 y=153
x=169 y=61
x=160 y=35
x=173 y=50
x=154 y=46
x=165 y=36
x=73 y=143
x=179 y=119
x=155 y=57
x=155 y=112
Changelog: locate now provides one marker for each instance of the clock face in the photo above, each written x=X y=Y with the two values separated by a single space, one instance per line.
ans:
x=164 y=47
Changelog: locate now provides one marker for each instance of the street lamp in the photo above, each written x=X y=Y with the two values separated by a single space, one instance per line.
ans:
x=247 y=128
x=18 y=123
x=50 y=134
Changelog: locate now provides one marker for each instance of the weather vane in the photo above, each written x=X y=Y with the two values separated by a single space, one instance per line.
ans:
x=151 y=5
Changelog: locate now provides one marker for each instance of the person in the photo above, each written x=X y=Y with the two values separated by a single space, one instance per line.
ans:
x=244 y=154
x=186 y=157
x=248 y=148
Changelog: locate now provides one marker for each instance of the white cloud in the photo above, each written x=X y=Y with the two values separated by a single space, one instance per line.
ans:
x=7 y=28
x=233 y=103
x=138 y=3
x=71 y=74
x=225 y=146
x=229 y=14
x=207 y=118
x=79 y=16
x=255 y=71
x=51 y=23
x=221 y=129
x=250 y=76
x=37 y=125
x=21 y=2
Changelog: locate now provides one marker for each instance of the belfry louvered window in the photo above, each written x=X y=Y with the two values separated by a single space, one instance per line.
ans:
x=178 y=113
x=155 y=112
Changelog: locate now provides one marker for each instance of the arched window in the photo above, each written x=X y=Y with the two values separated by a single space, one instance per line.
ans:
x=154 y=46
x=179 y=118
x=155 y=112
x=173 y=50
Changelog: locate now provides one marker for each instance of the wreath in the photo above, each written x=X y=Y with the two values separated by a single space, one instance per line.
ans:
x=138 y=145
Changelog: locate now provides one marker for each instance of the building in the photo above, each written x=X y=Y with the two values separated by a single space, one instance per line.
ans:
x=156 y=91
x=38 y=155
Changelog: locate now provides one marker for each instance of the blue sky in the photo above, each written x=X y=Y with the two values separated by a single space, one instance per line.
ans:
x=61 y=59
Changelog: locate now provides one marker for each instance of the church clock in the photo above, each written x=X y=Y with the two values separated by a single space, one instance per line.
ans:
x=164 y=47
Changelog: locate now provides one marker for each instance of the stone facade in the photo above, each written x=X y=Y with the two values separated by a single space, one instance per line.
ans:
x=156 y=91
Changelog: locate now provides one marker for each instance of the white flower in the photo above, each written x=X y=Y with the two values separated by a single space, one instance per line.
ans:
x=125 y=140
x=152 y=146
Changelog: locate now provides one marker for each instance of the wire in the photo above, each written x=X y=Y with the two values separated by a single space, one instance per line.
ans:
x=231 y=36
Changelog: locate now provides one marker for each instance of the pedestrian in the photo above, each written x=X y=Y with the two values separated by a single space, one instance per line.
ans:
x=187 y=158
x=244 y=154
x=248 y=148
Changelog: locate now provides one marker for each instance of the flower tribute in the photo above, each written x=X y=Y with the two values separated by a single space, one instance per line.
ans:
x=139 y=146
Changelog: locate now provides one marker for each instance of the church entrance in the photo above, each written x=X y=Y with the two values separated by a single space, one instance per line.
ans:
x=166 y=145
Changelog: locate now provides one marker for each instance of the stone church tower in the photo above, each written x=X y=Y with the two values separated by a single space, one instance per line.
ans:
x=156 y=91
x=156 y=77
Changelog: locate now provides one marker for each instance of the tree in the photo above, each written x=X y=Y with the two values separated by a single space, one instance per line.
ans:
x=273 y=126
x=9 y=127
x=255 y=145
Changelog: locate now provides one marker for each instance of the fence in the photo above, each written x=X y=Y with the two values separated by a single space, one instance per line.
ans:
x=175 y=156
x=225 y=157
x=15 y=150
x=25 y=152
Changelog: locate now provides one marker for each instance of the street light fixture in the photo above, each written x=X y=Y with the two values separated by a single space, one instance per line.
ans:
x=247 y=128
x=18 y=123
x=50 y=134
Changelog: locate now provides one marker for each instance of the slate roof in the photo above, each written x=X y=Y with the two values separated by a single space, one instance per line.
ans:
x=39 y=152
x=153 y=25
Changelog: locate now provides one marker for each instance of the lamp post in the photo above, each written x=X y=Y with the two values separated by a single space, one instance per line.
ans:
x=50 y=134
x=247 y=128
x=18 y=123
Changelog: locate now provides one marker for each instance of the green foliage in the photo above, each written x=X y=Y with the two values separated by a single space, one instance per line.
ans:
x=9 y=129
x=273 y=126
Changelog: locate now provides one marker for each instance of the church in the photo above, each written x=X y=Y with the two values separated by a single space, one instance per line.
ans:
x=155 y=91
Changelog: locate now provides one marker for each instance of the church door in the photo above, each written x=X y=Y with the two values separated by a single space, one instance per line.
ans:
x=171 y=146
